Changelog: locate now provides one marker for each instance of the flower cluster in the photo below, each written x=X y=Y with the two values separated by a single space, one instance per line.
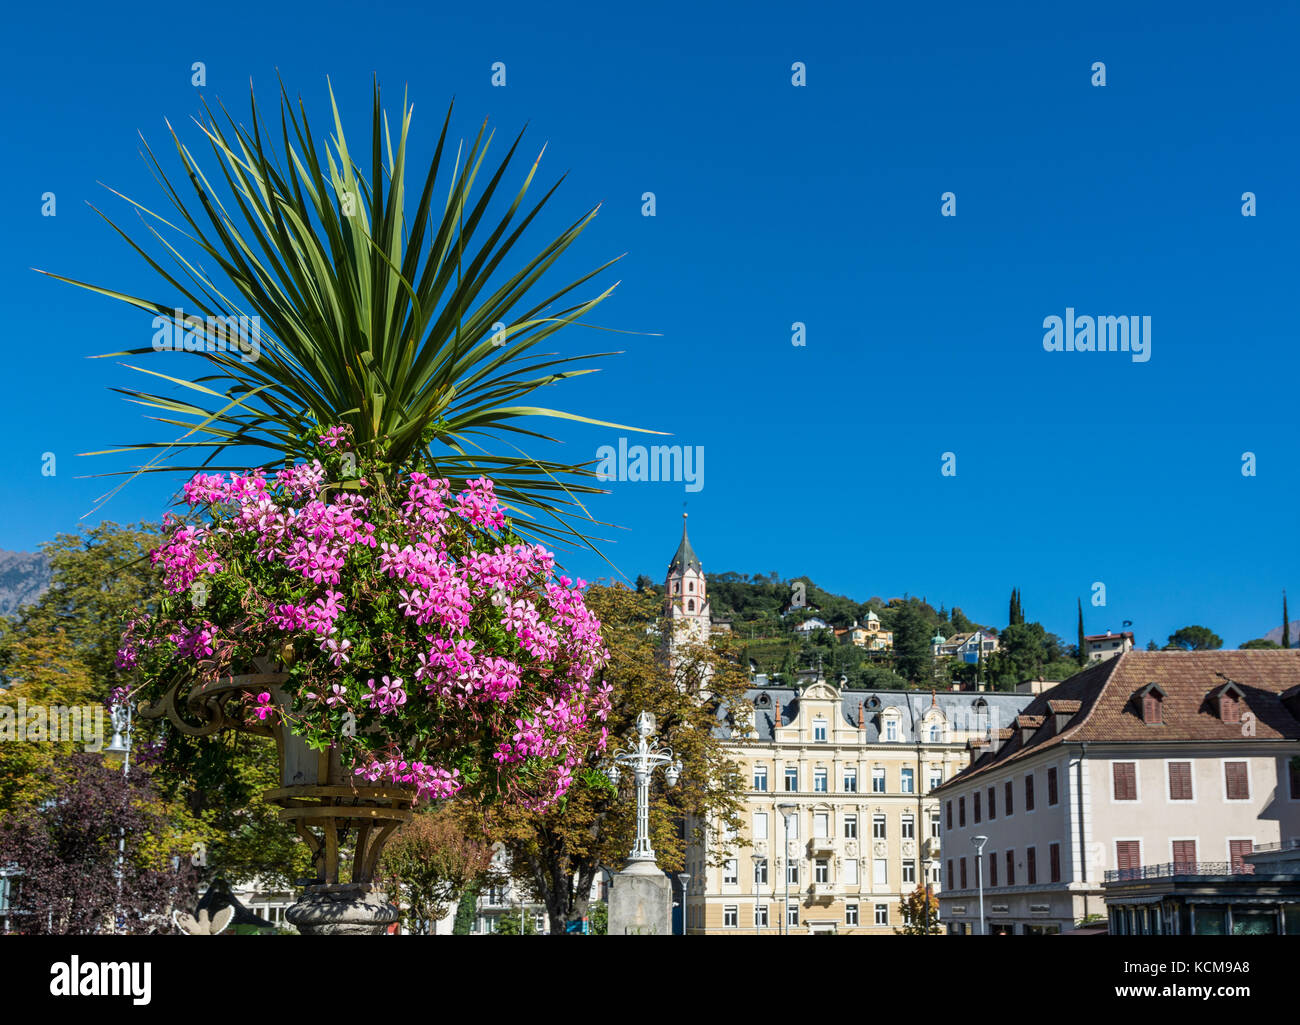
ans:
x=419 y=634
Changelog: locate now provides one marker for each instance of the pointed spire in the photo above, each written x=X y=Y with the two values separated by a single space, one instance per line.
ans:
x=685 y=558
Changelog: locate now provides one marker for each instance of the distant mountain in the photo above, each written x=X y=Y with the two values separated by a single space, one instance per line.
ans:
x=1275 y=635
x=24 y=576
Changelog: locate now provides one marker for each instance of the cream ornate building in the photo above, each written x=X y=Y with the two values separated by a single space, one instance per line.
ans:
x=839 y=824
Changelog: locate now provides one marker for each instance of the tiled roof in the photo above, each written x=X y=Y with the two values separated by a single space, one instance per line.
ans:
x=1106 y=711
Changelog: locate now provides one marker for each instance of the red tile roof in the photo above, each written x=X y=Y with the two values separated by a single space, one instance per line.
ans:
x=1101 y=698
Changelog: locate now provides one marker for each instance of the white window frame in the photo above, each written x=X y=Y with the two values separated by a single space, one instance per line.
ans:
x=819 y=731
x=878 y=773
x=1250 y=784
x=880 y=878
x=881 y=910
x=760 y=915
x=851 y=914
x=851 y=819
x=760 y=825
x=879 y=819
x=731 y=872
x=849 y=779
x=821 y=780
x=821 y=870
x=907 y=827
x=760 y=772
x=731 y=916
x=907 y=780
x=850 y=867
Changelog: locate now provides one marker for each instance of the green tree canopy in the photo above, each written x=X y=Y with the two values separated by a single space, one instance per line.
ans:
x=1196 y=638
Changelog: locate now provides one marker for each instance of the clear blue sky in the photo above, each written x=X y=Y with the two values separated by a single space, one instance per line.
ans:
x=779 y=204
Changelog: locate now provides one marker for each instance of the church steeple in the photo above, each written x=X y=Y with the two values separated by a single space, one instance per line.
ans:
x=685 y=558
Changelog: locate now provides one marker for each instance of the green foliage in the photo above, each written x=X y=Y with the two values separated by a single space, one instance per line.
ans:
x=920 y=913
x=598 y=918
x=1195 y=638
x=1259 y=642
x=466 y=911
x=913 y=655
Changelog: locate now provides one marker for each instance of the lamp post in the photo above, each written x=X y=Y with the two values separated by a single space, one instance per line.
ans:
x=786 y=811
x=685 y=879
x=643 y=757
x=121 y=744
x=979 y=842
x=758 y=859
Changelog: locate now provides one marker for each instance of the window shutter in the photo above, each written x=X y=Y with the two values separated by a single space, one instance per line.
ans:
x=1128 y=854
x=1054 y=857
x=1229 y=708
x=1237 y=848
x=993 y=802
x=1031 y=864
x=1237 y=781
x=1125 y=776
x=977 y=805
x=1180 y=781
x=1010 y=808
x=1185 y=857
x=950 y=886
x=1029 y=792
x=1051 y=786
x=949 y=806
x=1011 y=868
x=961 y=812
x=993 y=869
x=1151 y=709
x=963 y=873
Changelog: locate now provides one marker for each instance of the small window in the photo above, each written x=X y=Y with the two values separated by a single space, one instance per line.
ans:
x=821 y=824
x=936 y=733
x=850 y=914
x=819 y=730
x=850 y=827
x=1151 y=706
x=822 y=871
x=961 y=812
x=993 y=803
x=760 y=872
x=760 y=778
x=877 y=781
x=878 y=827
x=1125 y=780
x=792 y=913
x=879 y=872
x=950 y=886
x=1031 y=865
x=909 y=871
x=906 y=778
x=791 y=778
x=993 y=868
x=1051 y=785
x=1236 y=781
x=1029 y=792
x=730 y=916
x=1229 y=705
x=948 y=812
x=882 y=914
x=731 y=871
x=1180 y=781
x=851 y=871
x=1008 y=807
x=1054 y=861
x=891 y=729
x=792 y=873
x=936 y=779
x=690 y=587
x=690 y=604
x=760 y=916
x=975 y=799
x=907 y=828
x=1011 y=868
x=819 y=781
x=963 y=873
x=934 y=825
x=760 y=825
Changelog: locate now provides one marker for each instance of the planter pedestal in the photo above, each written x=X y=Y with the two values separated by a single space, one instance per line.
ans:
x=344 y=909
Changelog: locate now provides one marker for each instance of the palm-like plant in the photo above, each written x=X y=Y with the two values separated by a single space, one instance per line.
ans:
x=410 y=331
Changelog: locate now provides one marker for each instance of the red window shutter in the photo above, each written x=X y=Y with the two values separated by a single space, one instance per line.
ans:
x=1128 y=854
x=1051 y=786
x=950 y=823
x=993 y=869
x=1180 y=781
x=1151 y=709
x=1229 y=708
x=1185 y=857
x=1125 y=776
x=950 y=886
x=1237 y=848
x=961 y=812
x=1031 y=864
x=977 y=805
x=963 y=873
x=1010 y=808
x=993 y=802
x=1238 y=781
x=1011 y=868
x=1029 y=792
x=1054 y=858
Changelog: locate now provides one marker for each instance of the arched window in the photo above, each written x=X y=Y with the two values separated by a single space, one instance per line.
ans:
x=690 y=605
x=690 y=586
x=936 y=732
x=674 y=587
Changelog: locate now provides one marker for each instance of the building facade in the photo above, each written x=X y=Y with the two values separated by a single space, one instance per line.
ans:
x=1144 y=759
x=839 y=822
x=1107 y=645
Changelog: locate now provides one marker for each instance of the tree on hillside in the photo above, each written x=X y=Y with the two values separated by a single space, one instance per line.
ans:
x=960 y=623
x=1259 y=643
x=1082 y=655
x=1026 y=651
x=558 y=853
x=913 y=655
x=1195 y=638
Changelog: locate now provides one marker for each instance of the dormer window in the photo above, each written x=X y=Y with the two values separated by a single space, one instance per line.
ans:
x=1230 y=702
x=1151 y=700
x=819 y=731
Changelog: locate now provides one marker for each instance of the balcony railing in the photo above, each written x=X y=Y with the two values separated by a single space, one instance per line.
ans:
x=1180 y=868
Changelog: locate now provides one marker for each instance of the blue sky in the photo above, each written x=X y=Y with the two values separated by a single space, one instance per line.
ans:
x=778 y=204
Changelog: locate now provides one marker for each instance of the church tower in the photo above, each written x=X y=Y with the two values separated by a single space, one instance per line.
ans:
x=687 y=595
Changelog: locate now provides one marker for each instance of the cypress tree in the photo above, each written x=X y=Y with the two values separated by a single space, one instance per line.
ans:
x=1286 y=623
x=1083 y=646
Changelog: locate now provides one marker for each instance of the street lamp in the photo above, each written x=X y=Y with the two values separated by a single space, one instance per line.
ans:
x=643 y=757
x=979 y=842
x=685 y=879
x=121 y=744
x=758 y=859
x=786 y=811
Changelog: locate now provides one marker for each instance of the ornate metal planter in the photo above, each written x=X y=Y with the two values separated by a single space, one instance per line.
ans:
x=344 y=825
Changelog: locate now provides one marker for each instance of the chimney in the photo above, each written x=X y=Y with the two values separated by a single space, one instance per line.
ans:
x=862 y=718
x=777 y=705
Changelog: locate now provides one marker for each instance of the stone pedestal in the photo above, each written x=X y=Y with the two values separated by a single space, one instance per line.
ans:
x=342 y=910
x=641 y=901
